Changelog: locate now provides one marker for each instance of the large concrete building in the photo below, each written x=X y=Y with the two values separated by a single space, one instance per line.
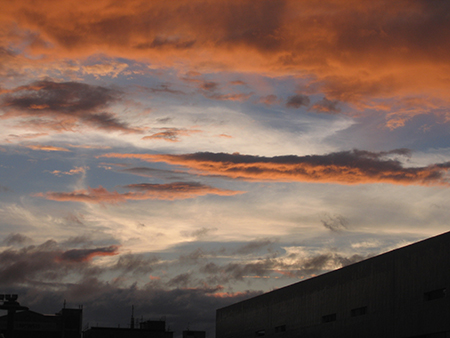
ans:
x=399 y=294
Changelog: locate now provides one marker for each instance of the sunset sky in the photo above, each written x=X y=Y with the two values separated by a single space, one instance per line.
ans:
x=180 y=156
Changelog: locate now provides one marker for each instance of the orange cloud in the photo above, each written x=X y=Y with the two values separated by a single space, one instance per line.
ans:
x=347 y=167
x=143 y=191
x=46 y=147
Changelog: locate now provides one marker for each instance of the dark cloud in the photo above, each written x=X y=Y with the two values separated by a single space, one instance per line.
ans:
x=193 y=257
x=255 y=246
x=335 y=223
x=137 y=264
x=171 y=134
x=62 y=97
x=180 y=281
x=165 y=88
x=68 y=102
x=293 y=266
x=4 y=188
x=346 y=167
x=159 y=43
x=209 y=85
x=156 y=173
x=199 y=233
x=326 y=106
x=297 y=101
x=47 y=262
x=82 y=255
x=17 y=239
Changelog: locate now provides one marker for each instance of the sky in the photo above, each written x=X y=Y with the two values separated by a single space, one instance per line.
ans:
x=181 y=156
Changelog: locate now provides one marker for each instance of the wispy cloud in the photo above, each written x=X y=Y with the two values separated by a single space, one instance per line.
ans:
x=171 y=134
x=46 y=147
x=143 y=191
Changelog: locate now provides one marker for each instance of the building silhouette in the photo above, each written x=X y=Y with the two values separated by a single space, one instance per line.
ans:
x=193 y=334
x=399 y=294
x=147 y=329
x=20 y=322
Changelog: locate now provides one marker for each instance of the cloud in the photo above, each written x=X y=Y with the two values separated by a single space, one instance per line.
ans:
x=171 y=134
x=297 y=101
x=385 y=51
x=346 y=167
x=334 y=223
x=4 y=188
x=17 y=239
x=68 y=103
x=178 y=190
x=137 y=264
x=270 y=99
x=199 y=233
x=83 y=255
x=293 y=265
x=44 y=262
x=254 y=246
x=75 y=171
x=326 y=106
x=46 y=147
x=157 y=173
x=143 y=191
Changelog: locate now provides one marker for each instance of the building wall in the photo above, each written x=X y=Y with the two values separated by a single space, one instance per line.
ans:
x=398 y=294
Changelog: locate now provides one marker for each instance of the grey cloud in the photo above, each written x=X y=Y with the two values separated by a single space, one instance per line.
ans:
x=254 y=246
x=334 y=223
x=17 y=239
x=193 y=257
x=165 y=88
x=181 y=280
x=199 y=233
x=297 y=101
x=137 y=263
x=4 y=188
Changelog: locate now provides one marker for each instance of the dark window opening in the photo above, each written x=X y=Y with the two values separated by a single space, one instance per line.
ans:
x=435 y=294
x=281 y=328
x=329 y=318
x=359 y=311
x=260 y=333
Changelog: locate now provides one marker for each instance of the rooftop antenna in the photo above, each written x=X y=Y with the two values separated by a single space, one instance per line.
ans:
x=64 y=304
x=132 y=317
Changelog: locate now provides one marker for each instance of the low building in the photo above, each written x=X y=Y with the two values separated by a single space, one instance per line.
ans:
x=29 y=324
x=399 y=294
x=147 y=329
x=194 y=334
